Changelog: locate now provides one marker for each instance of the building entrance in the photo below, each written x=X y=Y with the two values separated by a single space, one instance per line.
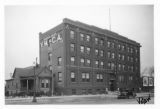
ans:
x=112 y=86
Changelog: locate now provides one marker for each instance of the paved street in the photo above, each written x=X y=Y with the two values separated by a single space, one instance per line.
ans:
x=76 y=99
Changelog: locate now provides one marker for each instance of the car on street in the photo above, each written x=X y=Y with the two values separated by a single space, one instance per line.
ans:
x=126 y=94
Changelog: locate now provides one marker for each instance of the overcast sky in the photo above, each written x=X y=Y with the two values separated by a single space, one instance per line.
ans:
x=23 y=23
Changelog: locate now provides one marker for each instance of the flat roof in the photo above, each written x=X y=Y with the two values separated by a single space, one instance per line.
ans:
x=96 y=30
x=100 y=31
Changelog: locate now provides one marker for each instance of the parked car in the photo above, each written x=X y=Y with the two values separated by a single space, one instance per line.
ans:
x=126 y=94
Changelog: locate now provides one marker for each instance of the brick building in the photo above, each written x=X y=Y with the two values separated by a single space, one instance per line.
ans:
x=86 y=59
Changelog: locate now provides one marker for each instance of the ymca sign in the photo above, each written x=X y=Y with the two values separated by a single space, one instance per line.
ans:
x=56 y=38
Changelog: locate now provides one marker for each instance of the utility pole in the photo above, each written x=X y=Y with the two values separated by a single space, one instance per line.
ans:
x=52 y=82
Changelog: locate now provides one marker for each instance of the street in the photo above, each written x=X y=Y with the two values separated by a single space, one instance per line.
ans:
x=75 y=99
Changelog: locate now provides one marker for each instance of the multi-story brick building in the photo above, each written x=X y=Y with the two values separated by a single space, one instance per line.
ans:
x=87 y=59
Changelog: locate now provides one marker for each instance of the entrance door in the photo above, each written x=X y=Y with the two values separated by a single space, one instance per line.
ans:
x=112 y=85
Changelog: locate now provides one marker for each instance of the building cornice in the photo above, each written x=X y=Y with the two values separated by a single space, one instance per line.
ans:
x=100 y=31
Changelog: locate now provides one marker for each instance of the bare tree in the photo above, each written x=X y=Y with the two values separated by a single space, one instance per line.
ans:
x=148 y=71
x=151 y=73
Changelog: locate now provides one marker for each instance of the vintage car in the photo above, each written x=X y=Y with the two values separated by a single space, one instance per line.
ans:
x=126 y=94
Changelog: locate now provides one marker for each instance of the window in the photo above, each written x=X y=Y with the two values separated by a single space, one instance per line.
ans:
x=101 y=42
x=82 y=37
x=112 y=66
x=59 y=61
x=96 y=40
x=132 y=68
x=113 y=45
x=113 y=55
x=123 y=57
x=72 y=60
x=119 y=46
x=72 y=34
x=82 y=61
x=101 y=53
x=128 y=49
x=88 y=38
x=72 y=47
x=128 y=58
x=121 y=78
x=82 y=49
x=45 y=42
x=109 y=65
x=73 y=79
x=49 y=56
x=136 y=51
x=119 y=66
x=42 y=84
x=101 y=64
x=45 y=83
x=131 y=50
x=119 y=56
x=88 y=50
x=108 y=44
x=96 y=52
x=88 y=62
x=49 y=41
x=50 y=67
x=96 y=63
x=85 y=77
x=123 y=67
x=59 y=76
x=99 y=77
x=109 y=54
x=122 y=47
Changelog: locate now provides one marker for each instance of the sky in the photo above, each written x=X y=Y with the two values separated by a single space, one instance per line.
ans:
x=23 y=24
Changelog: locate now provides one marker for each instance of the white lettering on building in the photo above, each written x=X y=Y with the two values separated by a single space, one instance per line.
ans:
x=55 y=38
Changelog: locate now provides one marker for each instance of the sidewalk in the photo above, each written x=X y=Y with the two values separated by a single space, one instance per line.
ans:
x=64 y=96
x=109 y=95
x=110 y=98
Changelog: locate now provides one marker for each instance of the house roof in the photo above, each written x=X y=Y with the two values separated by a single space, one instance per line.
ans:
x=29 y=71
